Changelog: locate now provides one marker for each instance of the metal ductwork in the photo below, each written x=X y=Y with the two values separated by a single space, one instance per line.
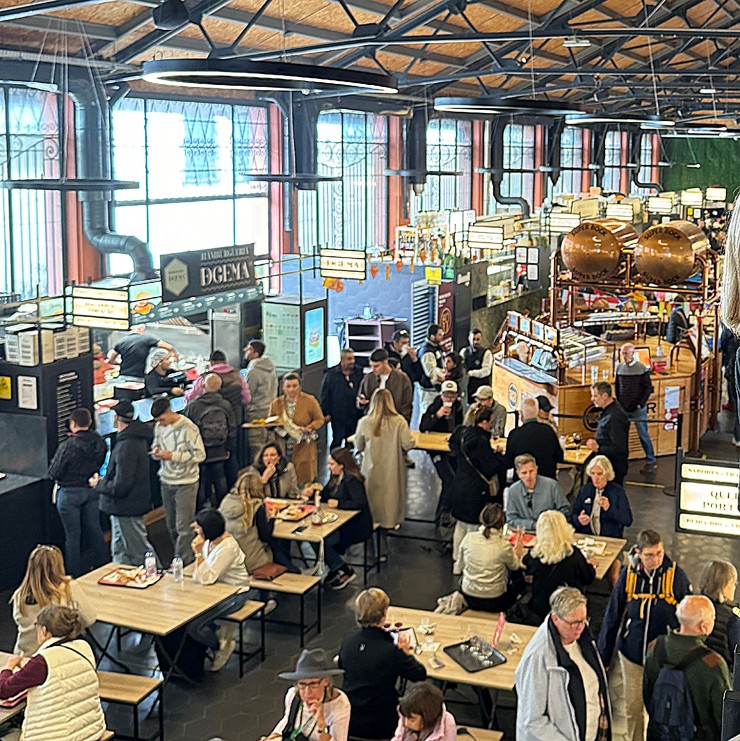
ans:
x=498 y=124
x=302 y=125
x=635 y=152
x=554 y=149
x=94 y=161
x=416 y=149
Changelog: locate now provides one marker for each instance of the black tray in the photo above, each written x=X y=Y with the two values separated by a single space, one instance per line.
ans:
x=468 y=662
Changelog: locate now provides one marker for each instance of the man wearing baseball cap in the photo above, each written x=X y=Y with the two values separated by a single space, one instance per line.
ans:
x=483 y=397
x=545 y=407
x=125 y=493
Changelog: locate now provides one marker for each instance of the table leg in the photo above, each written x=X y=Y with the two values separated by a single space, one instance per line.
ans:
x=303 y=620
x=318 y=607
x=262 y=631
x=172 y=661
x=104 y=649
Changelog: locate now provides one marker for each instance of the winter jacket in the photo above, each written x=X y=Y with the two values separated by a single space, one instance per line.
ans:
x=183 y=440
x=726 y=634
x=430 y=422
x=551 y=700
x=612 y=435
x=613 y=520
x=338 y=398
x=412 y=368
x=125 y=491
x=372 y=665
x=477 y=463
x=350 y=493
x=431 y=358
x=677 y=325
x=538 y=440
x=78 y=457
x=233 y=388
x=400 y=387
x=252 y=539
x=632 y=385
x=632 y=626
x=195 y=411
x=445 y=729
x=262 y=381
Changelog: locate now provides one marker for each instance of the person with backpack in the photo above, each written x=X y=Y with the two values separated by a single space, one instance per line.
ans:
x=684 y=681
x=214 y=417
x=642 y=606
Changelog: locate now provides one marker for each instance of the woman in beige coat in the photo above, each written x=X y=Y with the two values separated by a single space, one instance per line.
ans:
x=300 y=417
x=383 y=436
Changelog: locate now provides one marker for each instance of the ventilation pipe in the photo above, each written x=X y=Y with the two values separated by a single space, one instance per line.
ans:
x=635 y=149
x=498 y=124
x=598 y=144
x=554 y=153
x=416 y=149
x=302 y=126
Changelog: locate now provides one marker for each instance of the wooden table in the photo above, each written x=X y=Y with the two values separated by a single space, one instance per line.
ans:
x=313 y=533
x=614 y=547
x=7 y=713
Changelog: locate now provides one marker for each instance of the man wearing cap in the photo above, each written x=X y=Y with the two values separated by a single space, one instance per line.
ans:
x=382 y=376
x=484 y=398
x=125 y=493
x=536 y=439
x=403 y=356
x=133 y=349
x=478 y=363
x=544 y=415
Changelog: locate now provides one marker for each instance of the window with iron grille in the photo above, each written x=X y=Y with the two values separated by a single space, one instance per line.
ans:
x=192 y=160
x=612 y=160
x=571 y=155
x=30 y=220
x=351 y=213
x=519 y=148
x=645 y=174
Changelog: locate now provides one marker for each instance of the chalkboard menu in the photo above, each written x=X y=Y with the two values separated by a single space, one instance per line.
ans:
x=68 y=397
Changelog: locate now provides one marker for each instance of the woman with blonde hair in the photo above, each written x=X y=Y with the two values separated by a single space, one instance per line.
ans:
x=718 y=582
x=45 y=583
x=554 y=561
x=383 y=437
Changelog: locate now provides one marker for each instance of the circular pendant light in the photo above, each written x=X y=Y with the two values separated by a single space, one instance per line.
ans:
x=644 y=122
x=69 y=185
x=244 y=74
x=490 y=105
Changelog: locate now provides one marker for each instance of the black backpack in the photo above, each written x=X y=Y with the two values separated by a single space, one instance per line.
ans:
x=671 y=708
x=213 y=423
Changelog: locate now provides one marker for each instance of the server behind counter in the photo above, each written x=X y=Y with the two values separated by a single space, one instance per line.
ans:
x=160 y=378
x=133 y=349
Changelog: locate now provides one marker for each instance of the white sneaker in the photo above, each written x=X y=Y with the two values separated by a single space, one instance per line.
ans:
x=270 y=606
x=736 y=443
x=225 y=649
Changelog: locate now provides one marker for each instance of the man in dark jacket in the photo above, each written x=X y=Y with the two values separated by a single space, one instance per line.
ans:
x=214 y=417
x=382 y=376
x=478 y=362
x=612 y=432
x=338 y=398
x=536 y=439
x=402 y=355
x=125 y=493
x=75 y=461
x=372 y=665
x=641 y=607
x=633 y=388
x=431 y=358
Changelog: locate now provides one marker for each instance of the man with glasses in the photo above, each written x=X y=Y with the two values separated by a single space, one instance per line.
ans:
x=532 y=495
x=560 y=681
x=641 y=607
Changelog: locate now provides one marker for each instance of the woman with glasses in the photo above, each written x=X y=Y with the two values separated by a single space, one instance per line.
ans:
x=718 y=582
x=45 y=583
x=422 y=715
x=315 y=710
x=560 y=681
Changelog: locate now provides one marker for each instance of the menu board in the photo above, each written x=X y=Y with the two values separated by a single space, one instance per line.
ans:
x=68 y=398
x=281 y=331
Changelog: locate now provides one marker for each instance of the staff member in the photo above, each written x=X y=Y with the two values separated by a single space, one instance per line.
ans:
x=132 y=351
x=478 y=363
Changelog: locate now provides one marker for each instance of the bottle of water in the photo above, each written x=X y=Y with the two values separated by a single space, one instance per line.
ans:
x=150 y=564
x=562 y=441
x=177 y=569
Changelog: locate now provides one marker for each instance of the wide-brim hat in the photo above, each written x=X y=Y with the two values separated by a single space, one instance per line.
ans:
x=312 y=664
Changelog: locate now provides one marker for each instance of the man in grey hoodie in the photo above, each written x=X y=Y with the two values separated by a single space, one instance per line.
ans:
x=179 y=448
x=262 y=380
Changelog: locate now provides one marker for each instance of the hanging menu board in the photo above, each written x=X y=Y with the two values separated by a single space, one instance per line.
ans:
x=281 y=331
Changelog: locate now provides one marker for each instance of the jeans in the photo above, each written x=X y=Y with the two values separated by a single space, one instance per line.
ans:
x=78 y=510
x=212 y=480
x=129 y=542
x=203 y=628
x=341 y=429
x=629 y=699
x=179 y=510
x=639 y=417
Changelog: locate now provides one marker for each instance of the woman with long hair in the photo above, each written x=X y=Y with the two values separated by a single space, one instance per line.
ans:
x=555 y=562
x=277 y=473
x=488 y=562
x=344 y=490
x=383 y=437
x=45 y=583
x=718 y=582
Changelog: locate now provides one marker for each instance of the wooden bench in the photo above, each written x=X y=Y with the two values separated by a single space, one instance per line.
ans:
x=107 y=736
x=479 y=734
x=132 y=690
x=368 y=565
x=248 y=610
x=299 y=585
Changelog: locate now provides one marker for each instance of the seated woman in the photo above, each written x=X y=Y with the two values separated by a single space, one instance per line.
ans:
x=277 y=474
x=373 y=664
x=488 y=560
x=555 y=562
x=249 y=522
x=45 y=583
x=160 y=378
x=63 y=700
x=314 y=709
x=422 y=715
x=718 y=582
x=345 y=490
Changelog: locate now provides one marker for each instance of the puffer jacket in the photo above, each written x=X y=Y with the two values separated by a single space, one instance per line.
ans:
x=262 y=380
x=77 y=458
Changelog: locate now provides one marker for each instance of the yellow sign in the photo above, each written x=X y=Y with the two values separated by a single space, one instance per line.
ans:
x=5 y=392
x=433 y=276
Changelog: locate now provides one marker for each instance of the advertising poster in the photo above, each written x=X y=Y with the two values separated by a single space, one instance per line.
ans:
x=445 y=314
x=313 y=339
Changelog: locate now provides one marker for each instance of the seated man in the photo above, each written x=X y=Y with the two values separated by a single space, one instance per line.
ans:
x=532 y=495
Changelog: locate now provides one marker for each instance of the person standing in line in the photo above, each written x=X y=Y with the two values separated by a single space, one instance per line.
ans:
x=612 y=432
x=132 y=351
x=544 y=412
x=338 y=397
x=718 y=582
x=478 y=362
x=78 y=457
x=431 y=358
x=641 y=607
x=382 y=376
x=729 y=345
x=537 y=440
x=179 y=448
x=262 y=380
x=402 y=355
x=125 y=492
x=633 y=388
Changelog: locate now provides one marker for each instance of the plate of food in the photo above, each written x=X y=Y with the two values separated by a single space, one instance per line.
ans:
x=133 y=577
x=295 y=512
x=595 y=547
x=326 y=518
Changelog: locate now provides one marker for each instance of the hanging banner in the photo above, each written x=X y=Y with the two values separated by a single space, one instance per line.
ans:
x=446 y=314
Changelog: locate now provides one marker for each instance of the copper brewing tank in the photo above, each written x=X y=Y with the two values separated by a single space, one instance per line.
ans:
x=665 y=253
x=593 y=249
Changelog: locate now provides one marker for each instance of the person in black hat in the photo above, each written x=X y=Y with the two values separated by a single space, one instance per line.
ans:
x=544 y=412
x=125 y=493
x=315 y=710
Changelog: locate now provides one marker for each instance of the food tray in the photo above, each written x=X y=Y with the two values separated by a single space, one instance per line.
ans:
x=469 y=662
x=528 y=539
x=295 y=512
x=112 y=579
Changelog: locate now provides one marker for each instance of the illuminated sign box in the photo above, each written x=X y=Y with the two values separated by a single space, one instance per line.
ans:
x=349 y=264
x=691 y=198
x=562 y=223
x=619 y=211
x=718 y=195
x=658 y=205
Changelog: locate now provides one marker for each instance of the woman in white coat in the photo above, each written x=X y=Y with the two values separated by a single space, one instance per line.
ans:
x=383 y=436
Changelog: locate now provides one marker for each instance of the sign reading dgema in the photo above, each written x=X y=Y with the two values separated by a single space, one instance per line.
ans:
x=200 y=273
